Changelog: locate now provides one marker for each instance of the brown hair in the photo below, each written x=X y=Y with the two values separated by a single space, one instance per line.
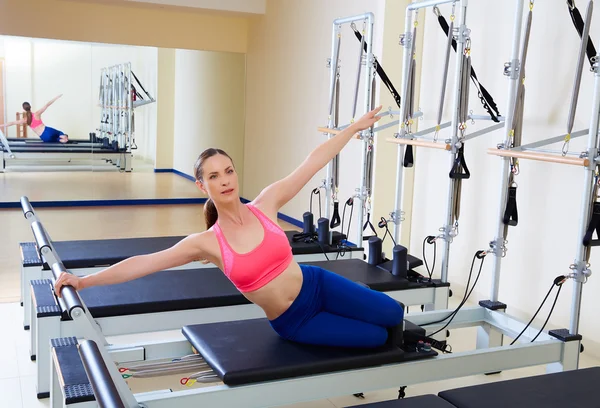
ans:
x=210 y=211
x=27 y=108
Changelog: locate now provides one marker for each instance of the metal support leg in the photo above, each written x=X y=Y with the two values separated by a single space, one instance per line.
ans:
x=48 y=328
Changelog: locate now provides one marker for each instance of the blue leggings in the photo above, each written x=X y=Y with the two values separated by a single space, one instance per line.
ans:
x=331 y=310
x=51 y=135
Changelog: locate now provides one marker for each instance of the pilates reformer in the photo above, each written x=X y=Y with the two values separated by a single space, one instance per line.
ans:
x=33 y=156
x=575 y=388
x=91 y=256
x=171 y=299
x=263 y=369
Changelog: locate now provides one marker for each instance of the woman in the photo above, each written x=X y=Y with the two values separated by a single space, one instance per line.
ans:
x=306 y=304
x=34 y=120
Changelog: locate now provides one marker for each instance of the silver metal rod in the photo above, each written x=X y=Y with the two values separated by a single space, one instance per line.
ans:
x=428 y=3
x=445 y=71
x=580 y=261
x=555 y=139
x=484 y=131
x=366 y=140
x=485 y=117
x=358 y=72
x=505 y=161
x=396 y=214
x=330 y=122
x=424 y=132
x=580 y=62
x=345 y=20
x=458 y=76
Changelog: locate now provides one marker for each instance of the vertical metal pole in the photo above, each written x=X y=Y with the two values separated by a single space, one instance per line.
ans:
x=332 y=74
x=588 y=180
x=366 y=134
x=498 y=243
x=460 y=42
x=407 y=41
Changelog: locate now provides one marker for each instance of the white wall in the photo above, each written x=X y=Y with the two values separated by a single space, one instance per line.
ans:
x=543 y=245
x=37 y=70
x=288 y=88
x=209 y=107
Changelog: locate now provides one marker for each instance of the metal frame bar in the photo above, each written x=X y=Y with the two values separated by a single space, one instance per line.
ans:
x=557 y=355
x=367 y=135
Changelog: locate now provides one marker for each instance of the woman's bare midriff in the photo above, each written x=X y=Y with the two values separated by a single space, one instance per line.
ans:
x=279 y=294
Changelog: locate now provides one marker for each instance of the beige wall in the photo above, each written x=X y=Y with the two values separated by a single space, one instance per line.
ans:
x=165 y=109
x=209 y=107
x=131 y=24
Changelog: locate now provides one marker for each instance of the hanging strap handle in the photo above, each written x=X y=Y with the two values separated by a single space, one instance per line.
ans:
x=460 y=169
x=511 y=216
x=369 y=224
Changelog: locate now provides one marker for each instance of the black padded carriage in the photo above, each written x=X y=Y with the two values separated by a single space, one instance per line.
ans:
x=90 y=253
x=184 y=289
x=573 y=389
x=238 y=358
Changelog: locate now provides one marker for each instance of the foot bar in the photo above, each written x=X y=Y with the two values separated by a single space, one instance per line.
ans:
x=105 y=390
x=545 y=157
x=422 y=143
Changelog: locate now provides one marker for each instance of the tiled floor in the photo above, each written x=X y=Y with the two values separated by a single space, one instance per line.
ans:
x=17 y=389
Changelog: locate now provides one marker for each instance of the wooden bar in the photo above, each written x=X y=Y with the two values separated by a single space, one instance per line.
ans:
x=545 y=157
x=422 y=143
x=335 y=131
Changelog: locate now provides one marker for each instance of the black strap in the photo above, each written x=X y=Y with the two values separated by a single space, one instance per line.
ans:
x=594 y=225
x=511 y=217
x=140 y=84
x=369 y=224
x=578 y=23
x=409 y=160
x=335 y=219
x=484 y=96
x=460 y=169
x=381 y=72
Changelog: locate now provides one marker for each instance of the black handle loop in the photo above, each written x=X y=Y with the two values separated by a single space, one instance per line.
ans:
x=369 y=224
x=409 y=160
x=511 y=216
x=594 y=225
x=335 y=219
x=460 y=169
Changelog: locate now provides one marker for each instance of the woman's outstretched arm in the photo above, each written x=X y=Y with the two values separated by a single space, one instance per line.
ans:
x=279 y=193
x=185 y=251
x=16 y=122
x=50 y=102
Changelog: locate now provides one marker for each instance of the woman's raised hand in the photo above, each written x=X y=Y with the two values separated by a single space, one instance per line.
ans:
x=367 y=120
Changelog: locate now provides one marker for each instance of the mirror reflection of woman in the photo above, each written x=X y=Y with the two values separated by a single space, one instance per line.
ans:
x=34 y=121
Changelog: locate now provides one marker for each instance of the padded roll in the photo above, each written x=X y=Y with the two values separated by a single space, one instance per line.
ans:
x=26 y=206
x=309 y=223
x=68 y=293
x=105 y=390
x=323 y=231
x=400 y=261
x=41 y=239
x=375 y=248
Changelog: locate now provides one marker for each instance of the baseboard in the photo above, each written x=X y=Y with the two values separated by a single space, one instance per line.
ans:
x=107 y=203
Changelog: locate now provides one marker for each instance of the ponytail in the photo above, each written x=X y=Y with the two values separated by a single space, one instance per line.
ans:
x=27 y=108
x=210 y=213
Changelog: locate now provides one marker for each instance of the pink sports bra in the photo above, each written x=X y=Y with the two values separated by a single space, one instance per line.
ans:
x=35 y=122
x=254 y=269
